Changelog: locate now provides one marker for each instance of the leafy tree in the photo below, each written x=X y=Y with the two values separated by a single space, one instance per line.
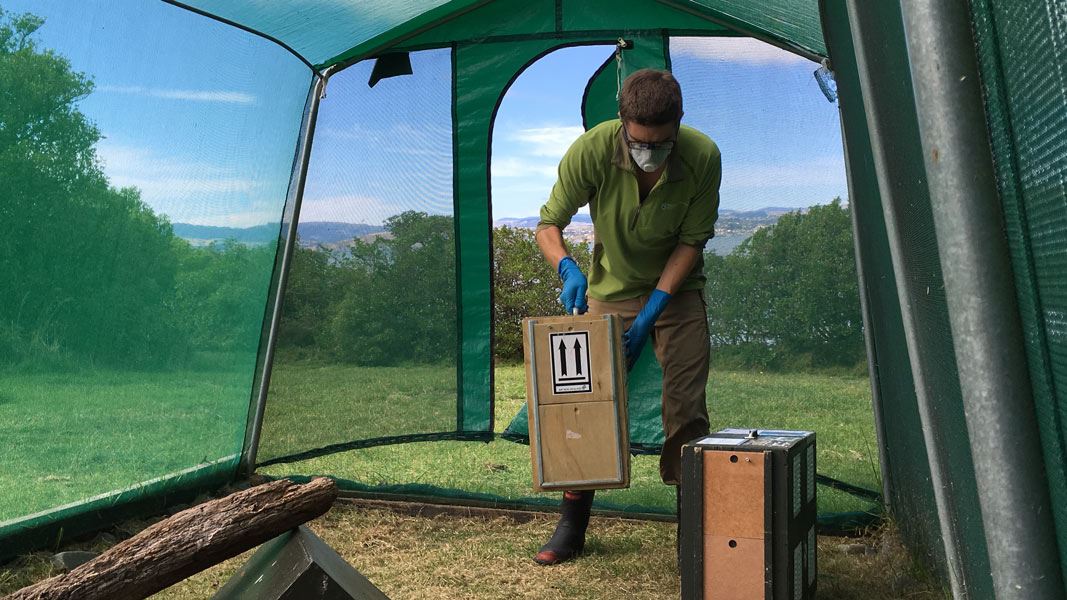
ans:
x=87 y=267
x=391 y=300
x=312 y=289
x=398 y=304
x=221 y=293
x=788 y=296
x=524 y=285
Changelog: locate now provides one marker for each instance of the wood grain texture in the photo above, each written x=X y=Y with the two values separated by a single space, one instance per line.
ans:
x=734 y=572
x=189 y=542
x=734 y=494
x=579 y=442
x=735 y=525
x=598 y=447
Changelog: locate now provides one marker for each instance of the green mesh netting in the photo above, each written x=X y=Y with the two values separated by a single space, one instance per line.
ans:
x=1022 y=53
x=331 y=31
x=371 y=300
x=149 y=179
x=148 y=196
x=319 y=30
x=134 y=344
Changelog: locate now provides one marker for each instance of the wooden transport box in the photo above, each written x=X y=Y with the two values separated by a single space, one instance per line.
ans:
x=576 y=402
x=747 y=522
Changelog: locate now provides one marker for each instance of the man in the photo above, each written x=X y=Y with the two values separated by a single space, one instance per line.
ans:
x=652 y=186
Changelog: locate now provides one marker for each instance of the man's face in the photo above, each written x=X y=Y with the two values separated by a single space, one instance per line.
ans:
x=650 y=145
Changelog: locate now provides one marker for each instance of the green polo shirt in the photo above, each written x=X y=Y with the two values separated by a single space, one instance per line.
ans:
x=633 y=239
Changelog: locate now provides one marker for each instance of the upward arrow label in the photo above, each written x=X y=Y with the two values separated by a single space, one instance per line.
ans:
x=570 y=362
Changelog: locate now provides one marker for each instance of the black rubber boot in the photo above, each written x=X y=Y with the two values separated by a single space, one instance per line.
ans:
x=569 y=538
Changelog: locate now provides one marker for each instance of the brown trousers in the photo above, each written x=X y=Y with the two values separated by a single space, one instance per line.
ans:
x=680 y=340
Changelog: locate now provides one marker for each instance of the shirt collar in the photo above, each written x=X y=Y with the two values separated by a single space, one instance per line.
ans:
x=621 y=158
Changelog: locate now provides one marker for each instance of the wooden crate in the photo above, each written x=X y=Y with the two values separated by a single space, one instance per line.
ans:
x=576 y=402
x=747 y=524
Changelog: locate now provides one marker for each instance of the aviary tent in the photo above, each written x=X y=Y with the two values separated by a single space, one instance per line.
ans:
x=970 y=418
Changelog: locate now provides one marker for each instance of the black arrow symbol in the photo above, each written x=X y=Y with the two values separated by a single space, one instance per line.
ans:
x=578 y=355
x=563 y=357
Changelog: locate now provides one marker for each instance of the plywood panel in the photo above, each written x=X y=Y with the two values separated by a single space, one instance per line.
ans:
x=576 y=448
x=599 y=349
x=734 y=494
x=734 y=568
x=579 y=442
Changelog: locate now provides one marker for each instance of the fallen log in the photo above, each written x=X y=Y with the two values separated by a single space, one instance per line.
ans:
x=189 y=542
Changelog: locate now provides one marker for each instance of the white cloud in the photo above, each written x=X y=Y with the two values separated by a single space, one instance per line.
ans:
x=523 y=186
x=746 y=51
x=151 y=172
x=546 y=141
x=218 y=96
x=354 y=209
x=190 y=191
x=515 y=167
x=350 y=132
x=242 y=219
x=161 y=188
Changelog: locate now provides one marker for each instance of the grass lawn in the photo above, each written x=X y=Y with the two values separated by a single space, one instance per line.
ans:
x=310 y=406
x=837 y=408
x=67 y=437
x=103 y=431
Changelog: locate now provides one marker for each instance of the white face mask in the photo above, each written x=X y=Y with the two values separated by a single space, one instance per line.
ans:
x=650 y=159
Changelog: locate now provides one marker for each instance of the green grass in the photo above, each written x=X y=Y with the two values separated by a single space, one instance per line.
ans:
x=310 y=406
x=836 y=407
x=102 y=431
x=66 y=437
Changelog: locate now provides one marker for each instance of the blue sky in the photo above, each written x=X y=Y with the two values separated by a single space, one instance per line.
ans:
x=201 y=117
x=779 y=136
x=206 y=126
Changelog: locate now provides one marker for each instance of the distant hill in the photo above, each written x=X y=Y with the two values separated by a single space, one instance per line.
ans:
x=328 y=232
x=260 y=234
x=319 y=233
x=759 y=213
x=732 y=228
x=334 y=234
x=760 y=216
x=531 y=222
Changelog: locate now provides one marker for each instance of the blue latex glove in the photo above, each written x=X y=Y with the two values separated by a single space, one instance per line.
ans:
x=633 y=341
x=574 y=286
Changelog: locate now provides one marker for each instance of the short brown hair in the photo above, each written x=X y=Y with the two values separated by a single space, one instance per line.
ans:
x=651 y=97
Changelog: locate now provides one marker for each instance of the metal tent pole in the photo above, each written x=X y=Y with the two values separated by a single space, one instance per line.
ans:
x=873 y=373
x=296 y=195
x=984 y=316
x=882 y=63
